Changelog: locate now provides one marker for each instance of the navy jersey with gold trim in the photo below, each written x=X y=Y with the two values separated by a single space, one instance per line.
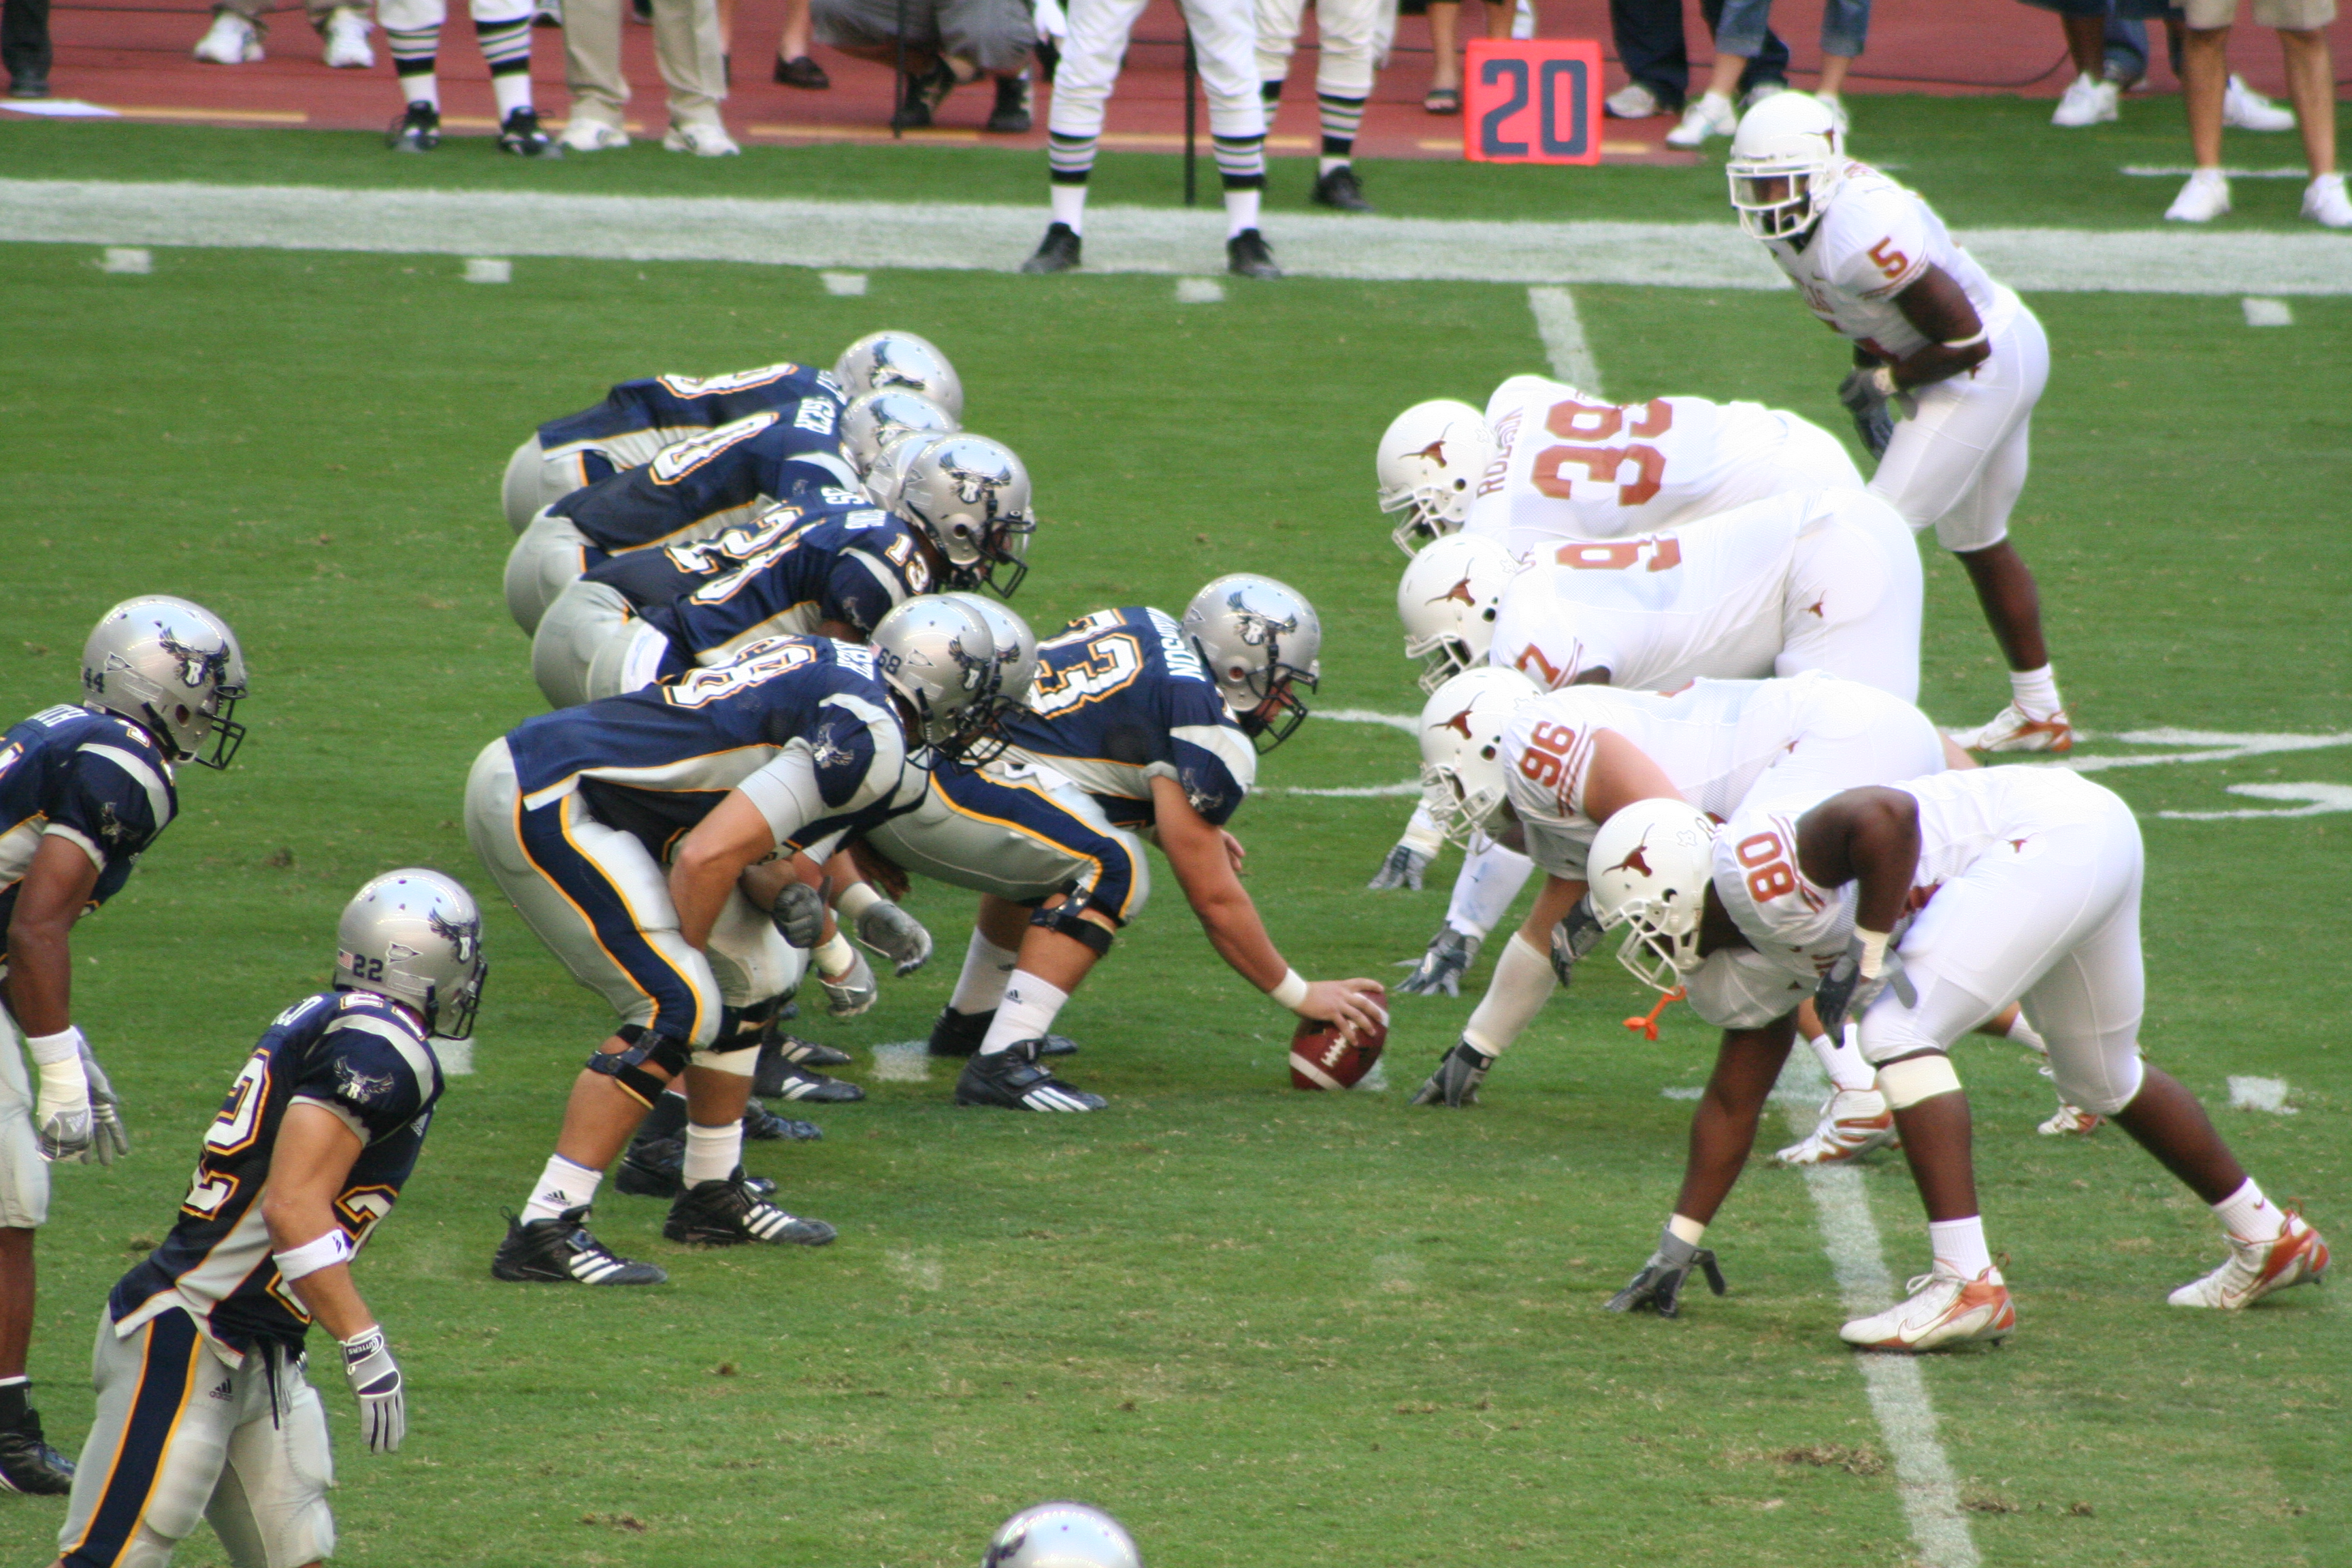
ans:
x=363 y=1058
x=698 y=483
x=92 y=777
x=1121 y=698
x=639 y=418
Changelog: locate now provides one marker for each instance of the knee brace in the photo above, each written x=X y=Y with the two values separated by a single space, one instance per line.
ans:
x=740 y=1063
x=1914 y=1079
x=627 y=1068
x=1067 y=920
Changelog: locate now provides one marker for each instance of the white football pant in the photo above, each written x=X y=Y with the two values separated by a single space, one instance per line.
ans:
x=1224 y=39
x=1959 y=464
x=1347 y=37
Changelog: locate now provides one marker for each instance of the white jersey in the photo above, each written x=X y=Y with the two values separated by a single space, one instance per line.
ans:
x=1876 y=240
x=1568 y=466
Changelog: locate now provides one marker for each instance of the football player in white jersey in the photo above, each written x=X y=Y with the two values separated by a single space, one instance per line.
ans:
x=1918 y=908
x=1934 y=337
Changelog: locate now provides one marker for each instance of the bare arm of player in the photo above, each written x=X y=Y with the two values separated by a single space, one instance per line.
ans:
x=1722 y=1127
x=1621 y=773
x=1870 y=834
x=307 y=1166
x=839 y=631
x=1202 y=857
x=1557 y=897
x=55 y=891
x=1940 y=308
x=709 y=861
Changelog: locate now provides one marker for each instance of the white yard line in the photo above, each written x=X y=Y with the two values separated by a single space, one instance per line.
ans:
x=1562 y=330
x=1163 y=240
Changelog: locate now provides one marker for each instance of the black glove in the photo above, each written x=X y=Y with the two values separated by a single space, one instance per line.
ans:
x=1440 y=968
x=1660 y=1282
x=1456 y=1082
x=1859 y=391
x=1577 y=934
x=1403 y=869
x=1843 y=992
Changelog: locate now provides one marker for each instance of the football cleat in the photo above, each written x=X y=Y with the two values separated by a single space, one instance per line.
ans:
x=560 y=1251
x=1854 y=1121
x=232 y=40
x=725 y=1213
x=2205 y=197
x=781 y=1052
x=2069 y=1121
x=762 y=1125
x=347 y=40
x=1011 y=1080
x=519 y=133
x=417 y=130
x=2087 y=102
x=1343 y=190
x=2014 y=729
x=2243 y=109
x=1456 y=1082
x=27 y=1463
x=2254 y=1269
x=1058 y=252
x=799 y=1083
x=955 y=1034
x=1942 y=1309
x=1707 y=116
x=1247 y=254
x=656 y=1168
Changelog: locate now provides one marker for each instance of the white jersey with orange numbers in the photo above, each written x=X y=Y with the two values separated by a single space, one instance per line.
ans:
x=1569 y=466
x=1876 y=240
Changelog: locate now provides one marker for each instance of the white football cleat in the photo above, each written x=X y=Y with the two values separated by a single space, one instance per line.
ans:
x=701 y=139
x=2014 y=729
x=347 y=40
x=2205 y=197
x=1854 y=1122
x=1631 y=102
x=2088 y=102
x=592 y=136
x=232 y=41
x=1707 y=116
x=1943 y=1308
x=2324 y=201
x=2243 y=109
x=2256 y=1269
x=2069 y=1121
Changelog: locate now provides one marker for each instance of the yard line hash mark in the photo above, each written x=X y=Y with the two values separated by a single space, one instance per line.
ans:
x=1562 y=330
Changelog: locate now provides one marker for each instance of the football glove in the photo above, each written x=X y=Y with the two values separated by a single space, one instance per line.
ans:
x=896 y=935
x=1456 y=1082
x=110 y=1139
x=1577 y=934
x=799 y=915
x=1660 y=1282
x=848 y=995
x=374 y=1376
x=1843 y=992
x=62 y=1114
x=1442 y=967
x=1859 y=391
x=1403 y=869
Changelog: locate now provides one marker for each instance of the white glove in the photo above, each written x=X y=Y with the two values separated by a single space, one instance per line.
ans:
x=61 y=1109
x=1051 y=24
x=110 y=1139
x=374 y=1376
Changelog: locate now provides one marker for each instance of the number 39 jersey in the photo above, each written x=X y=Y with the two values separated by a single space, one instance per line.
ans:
x=1123 y=698
x=93 y=778
x=720 y=477
x=639 y=418
x=353 y=1054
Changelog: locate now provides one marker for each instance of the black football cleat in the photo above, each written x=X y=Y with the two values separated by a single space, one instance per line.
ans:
x=955 y=1034
x=1011 y=1080
x=418 y=130
x=779 y=1054
x=520 y=134
x=1058 y=252
x=799 y=1083
x=1340 y=189
x=1247 y=254
x=725 y=1213
x=762 y=1125
x=27 y=1463
x=560 y=1251
x=656 y=1168
x=1011 y=116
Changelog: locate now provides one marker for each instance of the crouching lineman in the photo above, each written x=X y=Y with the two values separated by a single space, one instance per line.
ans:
x=1138 y=725
x=653 y=842
x=84 y=792
x=204 y=1412
x=2025 y=882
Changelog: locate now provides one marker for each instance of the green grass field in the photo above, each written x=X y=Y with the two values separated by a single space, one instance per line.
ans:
x=1264 y=1328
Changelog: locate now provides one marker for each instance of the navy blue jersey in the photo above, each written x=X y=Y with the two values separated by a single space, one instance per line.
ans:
x=83 y=774
x=639 y=418
x=721 y=476
x=1121 y=698
x=654 y=762
x=361 y=1058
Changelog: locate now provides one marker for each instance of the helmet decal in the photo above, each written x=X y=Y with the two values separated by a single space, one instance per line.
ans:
x=1433 y=453
x=1636 y=861
x=465 y=936
x=1460 y=724
x=1459 y=593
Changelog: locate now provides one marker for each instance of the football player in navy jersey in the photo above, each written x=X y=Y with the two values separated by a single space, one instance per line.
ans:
x=84 y=790
x=1137 y=726
x=663 y=844
x=204 y=1411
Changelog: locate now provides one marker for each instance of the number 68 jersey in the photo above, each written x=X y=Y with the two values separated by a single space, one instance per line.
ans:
x=353 y=1054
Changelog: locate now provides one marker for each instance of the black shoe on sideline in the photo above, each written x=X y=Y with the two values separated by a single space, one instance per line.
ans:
x=725 y=1213
x=919 y=98
x=27 y=1463
x=1012 y=115
x=34 y=84
x=1058 y=252
x=1247 y=254
x=418 y=130
x=560 y=1251
x=1340 y=189
x=1013 y=1080
x=521 y=135
x=802 y=72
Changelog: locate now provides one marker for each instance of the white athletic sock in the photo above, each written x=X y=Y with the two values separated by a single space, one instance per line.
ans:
x=2026 y=1035
x=1027 y=1011
x=1070 y=206
x=1842 y=1061
x=1241 y=211
x=1522 y=983
x=2036 y=691
x=512 y=90
x=986 y=968
x=563 y=1185
x=2250 y=1216
x=712 y=1153
x=1961 y=1244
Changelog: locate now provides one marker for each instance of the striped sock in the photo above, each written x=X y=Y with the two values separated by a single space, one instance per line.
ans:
x=1270 y=92
x=1069 y=158
x=506 y=47
x=1241 y=160
x=413 y=58
x=1342 y=116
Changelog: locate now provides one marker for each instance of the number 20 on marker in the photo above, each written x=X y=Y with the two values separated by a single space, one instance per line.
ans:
x=1532 y=101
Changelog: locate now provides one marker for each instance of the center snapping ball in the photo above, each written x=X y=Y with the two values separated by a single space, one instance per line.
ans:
x=1322 y=1058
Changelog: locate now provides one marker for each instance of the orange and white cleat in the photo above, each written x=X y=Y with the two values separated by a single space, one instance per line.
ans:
x=1854 y=1121
x=2069 y=1121
x=1944 y=1307
x=2256 y=1269
x=2014 y=729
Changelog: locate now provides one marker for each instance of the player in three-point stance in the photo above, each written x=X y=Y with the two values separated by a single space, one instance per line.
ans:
x=1935 y=337
x=84 y=792
x=204 y=1412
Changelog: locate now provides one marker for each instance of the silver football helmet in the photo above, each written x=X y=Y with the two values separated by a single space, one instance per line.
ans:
x=1465 y=775
x=893 y=358
x=1428 y=464
x=1016 y=672
x=970 y=496
x=1649 y=868
x=940 y=658
x=1061 y=1535
x=1448 y=599
x=872 y=422
x=415 y=936
x=174 y=669
x=1261 y=639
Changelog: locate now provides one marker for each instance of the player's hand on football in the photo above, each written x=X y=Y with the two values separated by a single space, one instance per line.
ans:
x=1354 y=1005
x=110 y=1139
x=375 y=1378
x=896 y=935
x=1403 y=869
x=63 y=1119
x=1577 y=934
x=799 y=915
x=1442 y=967
x=1863 y=399
x=1456 y=1082
x=1659 y=1285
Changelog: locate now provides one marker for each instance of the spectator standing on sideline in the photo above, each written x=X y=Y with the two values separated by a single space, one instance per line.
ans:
x=2302 y=27
x=1650 y=45
x=411 y=30
x=793 y=66
x=1514 y=20
x=235 y=37
x=1740 y=33
x=24 y=47
x=2108 y=41
x=692 y=59
x=949 y=44
x=1348 y=50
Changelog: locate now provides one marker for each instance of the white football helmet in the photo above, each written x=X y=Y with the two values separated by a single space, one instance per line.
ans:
x=1465 y=775
x=415 y=936
x=1787 y=159
x=1061 y=1535
x=873 y=421
x=1448 y=599
x=939 y=657
x=1428 y=466
x=1260 y=640
x=970 y=496
x=174 y=669
x=893 y=358
x=1649 y=868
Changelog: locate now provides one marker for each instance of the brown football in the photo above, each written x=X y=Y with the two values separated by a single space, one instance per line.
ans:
x=1320 y=1058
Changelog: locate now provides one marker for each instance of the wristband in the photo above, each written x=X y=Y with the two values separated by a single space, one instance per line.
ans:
x=313 y=1256
x=855 y=899
x=1882 y=381
x=1291 y=992
x=1970 y=343
x=47 y=1050
x=835 y=957
x=1689 y=1232
x=1874 y=951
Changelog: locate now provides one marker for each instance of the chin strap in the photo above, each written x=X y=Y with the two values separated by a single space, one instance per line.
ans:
x=1647 y=1026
